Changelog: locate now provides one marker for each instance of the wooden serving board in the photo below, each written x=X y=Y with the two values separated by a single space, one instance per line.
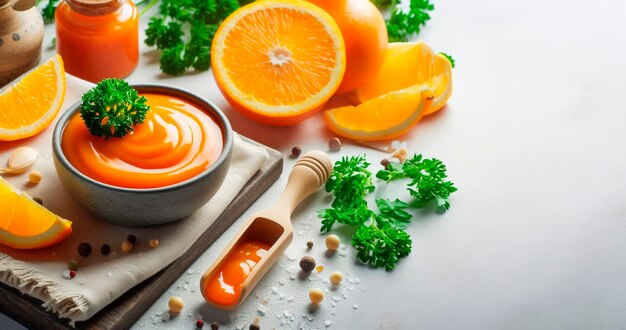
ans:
x=124 y=311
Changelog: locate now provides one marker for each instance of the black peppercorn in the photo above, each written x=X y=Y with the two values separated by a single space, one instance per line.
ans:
x=132 y=239
x=84 y=249
x=105 y=249
x=307 y=264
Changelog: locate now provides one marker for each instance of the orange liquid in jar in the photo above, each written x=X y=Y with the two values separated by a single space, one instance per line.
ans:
x=98 y=46
x=224 y=288
x=175 y=142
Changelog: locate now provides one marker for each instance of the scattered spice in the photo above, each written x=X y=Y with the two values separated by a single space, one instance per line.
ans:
x=127 y=246
x=400 y=155
x=295 y=152
x=385 y=162
x=66 y=274
x=176 y=305
x=199 y=324
x=20 y=160
x=316 y=295
x=334 y=144
x=34 y=177
x=309 y=244
x=154 y=243
x=319 y=268
x=38 y=200
x=72 y=264
x=336 y=277
x=307 y=264
x=215 y=326
x=105 y=249
x=254 y=327
x=84 y=249
x=72 y=273
x=165 y=316
x=332 y=242
x=131 y=238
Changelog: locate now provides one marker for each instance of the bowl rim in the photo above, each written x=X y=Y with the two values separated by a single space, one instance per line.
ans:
x=202 y=103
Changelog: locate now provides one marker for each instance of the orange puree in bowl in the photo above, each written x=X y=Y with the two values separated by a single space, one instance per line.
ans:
x=176 y=141
x=224 y=288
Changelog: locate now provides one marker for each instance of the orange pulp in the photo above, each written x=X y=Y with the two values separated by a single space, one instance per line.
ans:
x=176 y=141
x=224 y=288
x=95 y=47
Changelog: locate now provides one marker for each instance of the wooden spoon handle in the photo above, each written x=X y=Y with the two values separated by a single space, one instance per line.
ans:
x=308 y=174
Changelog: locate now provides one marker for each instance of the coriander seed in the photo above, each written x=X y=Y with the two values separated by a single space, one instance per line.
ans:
x=34 y=177
x=154 y=243
x=335 y=278
x=127 y=246
x=309 y=245
x=316 y=295
x=176 y=305
x=215 y=326
x=332 y=242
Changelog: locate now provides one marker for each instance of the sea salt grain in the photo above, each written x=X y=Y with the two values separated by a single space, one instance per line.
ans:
x=261 y=310
x=327 y=323
x=355 y=306
x=109 y=274
x=165 y=316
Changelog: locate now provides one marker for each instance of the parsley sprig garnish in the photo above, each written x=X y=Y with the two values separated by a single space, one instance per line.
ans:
x=112 y=108
x=428 y=180
x=380 y=238
x=183 y=30
x=401 y=24
x=350 y=181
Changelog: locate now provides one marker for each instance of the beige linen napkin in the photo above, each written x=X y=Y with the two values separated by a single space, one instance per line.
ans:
x=102 y=279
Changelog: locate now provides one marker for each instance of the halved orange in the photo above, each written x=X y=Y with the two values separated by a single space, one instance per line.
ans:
x=408 y=64
x=25 y=224
x=278 y=61
x=382 y=118
x=30 y=104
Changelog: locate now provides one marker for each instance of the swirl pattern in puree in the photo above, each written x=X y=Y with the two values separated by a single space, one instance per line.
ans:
x=176 y=141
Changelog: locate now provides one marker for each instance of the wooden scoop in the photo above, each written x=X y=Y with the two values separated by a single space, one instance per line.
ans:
x=273 y=225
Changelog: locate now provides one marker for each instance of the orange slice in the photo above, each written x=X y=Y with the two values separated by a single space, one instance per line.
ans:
x=408 y=64
x=30 y=104
x=278 y=61
x=25 y=224
x=382 y=118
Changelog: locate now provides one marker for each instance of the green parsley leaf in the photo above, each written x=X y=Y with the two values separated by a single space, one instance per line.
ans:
x=402 y=25
x=428 y=181
x=393 y=212
x=449 y=57
x=183 y=31
x=381 y=245
x=112 y=108
x=350 y=181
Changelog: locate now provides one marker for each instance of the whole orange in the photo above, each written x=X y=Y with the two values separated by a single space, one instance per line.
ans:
x=365 y=35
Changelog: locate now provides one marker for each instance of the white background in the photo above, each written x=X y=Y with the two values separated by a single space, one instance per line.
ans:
x=534 y=138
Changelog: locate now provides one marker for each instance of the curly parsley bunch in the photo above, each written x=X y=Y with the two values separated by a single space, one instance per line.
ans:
x=112 y=108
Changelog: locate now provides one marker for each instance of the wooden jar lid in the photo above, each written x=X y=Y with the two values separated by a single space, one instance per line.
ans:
x=94 y=7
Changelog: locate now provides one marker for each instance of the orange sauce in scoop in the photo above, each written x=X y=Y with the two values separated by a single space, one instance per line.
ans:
x=224 y=288
x=175 y=142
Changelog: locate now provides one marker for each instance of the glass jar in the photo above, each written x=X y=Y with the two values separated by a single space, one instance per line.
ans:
x=98 y=39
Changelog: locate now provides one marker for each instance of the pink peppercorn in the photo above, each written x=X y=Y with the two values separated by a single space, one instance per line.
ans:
x=72 y=273
x=199 y=324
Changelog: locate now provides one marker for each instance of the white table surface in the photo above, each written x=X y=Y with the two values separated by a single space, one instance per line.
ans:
x=534 y=137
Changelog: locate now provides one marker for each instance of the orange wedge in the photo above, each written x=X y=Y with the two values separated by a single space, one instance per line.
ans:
x=25 y=224
x=278 y=61
x=382 y=118
x=408 y=64
x=30 y=104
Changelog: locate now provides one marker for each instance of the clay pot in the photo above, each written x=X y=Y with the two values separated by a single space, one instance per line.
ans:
x=21 y=36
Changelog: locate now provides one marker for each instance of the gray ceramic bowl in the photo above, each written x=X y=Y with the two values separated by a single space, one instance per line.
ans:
x=145 y=207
